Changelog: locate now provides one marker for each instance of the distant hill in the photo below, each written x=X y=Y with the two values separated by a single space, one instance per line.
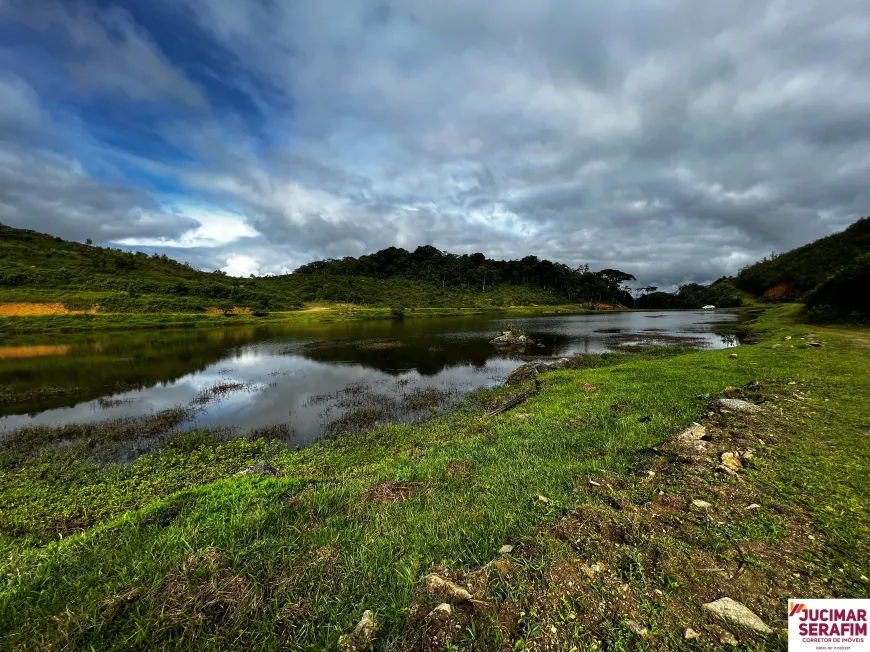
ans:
x=40 y=268
x=35 y=267
x=792 y=275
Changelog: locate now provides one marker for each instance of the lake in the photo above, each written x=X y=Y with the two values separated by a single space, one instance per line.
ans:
x=310 y=379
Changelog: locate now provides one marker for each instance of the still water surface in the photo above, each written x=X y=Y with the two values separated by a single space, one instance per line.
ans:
x=315 y=377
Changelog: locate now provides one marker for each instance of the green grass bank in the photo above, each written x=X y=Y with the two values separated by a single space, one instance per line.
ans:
x=174 y=550
x=18 y=326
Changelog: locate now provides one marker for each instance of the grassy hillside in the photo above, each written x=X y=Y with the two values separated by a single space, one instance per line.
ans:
x=790 y=276
x=35 y=267
x=609 y=552
x=69 y=276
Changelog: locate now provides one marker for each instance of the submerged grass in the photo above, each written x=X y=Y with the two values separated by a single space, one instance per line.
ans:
x=174 y=550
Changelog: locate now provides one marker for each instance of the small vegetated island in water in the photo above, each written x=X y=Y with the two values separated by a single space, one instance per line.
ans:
x=658 y=498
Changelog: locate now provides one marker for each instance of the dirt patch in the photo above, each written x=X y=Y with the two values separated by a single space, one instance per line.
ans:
x=389 y=492
x=23 y=309
x=17 y=352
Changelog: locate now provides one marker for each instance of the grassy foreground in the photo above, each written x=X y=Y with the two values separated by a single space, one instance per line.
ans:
x=174 y=550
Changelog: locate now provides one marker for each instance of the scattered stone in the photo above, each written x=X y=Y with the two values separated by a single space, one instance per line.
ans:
x=694 y=438
x=792 y=383
x=506 y=549
x=690 y=634
x=522 y=374
x=776 y=346
x=748 y=454
x=732 y=461
x=753 y=506
x=732 y=392
x=815 y=345
x=362 y=635
x=438 y=587
x=733 y=356
x=509 y=338
x=703 y=504
x=438 y=628
x=636 y=627
x=734 y=405
x=787 y=338
x=727 y=638
x=651 y=473
x=542 y=499
x=261 y=468
x=733 y=611
x=594 y=484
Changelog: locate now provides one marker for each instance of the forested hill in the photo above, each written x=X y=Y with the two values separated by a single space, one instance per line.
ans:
x=36 y=267
x=793 y=274
x=476 y=272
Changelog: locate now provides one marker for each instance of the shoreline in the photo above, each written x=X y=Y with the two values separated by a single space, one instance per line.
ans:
x=107 y=322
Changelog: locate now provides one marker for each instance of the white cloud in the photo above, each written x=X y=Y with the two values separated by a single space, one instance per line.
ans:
x=241 y=266
x=215 y=229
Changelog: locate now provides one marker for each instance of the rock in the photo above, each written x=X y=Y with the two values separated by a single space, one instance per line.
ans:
x=506 y=549
x=727 y=638
x=815 y=345
x=636 y=627
x=733 y=405
x=438 y=587
x=261 y=468
x=594 y=484
x=703 y=504
x=362 y=635
x=776 y=346
x=522 y=374
x=732 y=461
x=530 y=370
x=438 y=628
x=508 y=338
x=692 y=438
x=542 y=499
x=732 y=392
x=690 y=634
x=786 y=338
x=748 y=454
x=753 y=506
x=733 y=356
x=733 y=611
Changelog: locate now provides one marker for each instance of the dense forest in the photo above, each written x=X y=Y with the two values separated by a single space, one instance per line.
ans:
x=791 y=275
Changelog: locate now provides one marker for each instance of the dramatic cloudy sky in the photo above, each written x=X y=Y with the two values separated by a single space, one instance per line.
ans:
x=675 y=139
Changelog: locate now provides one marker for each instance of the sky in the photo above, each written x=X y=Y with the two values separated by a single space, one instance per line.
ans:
x=677 y=140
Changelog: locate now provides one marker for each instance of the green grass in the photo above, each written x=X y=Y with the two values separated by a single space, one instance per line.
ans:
x=178 y=552
x=16 y=327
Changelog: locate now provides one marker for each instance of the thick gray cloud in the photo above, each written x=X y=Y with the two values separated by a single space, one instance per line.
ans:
x=676 y=140
x=50 y=194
